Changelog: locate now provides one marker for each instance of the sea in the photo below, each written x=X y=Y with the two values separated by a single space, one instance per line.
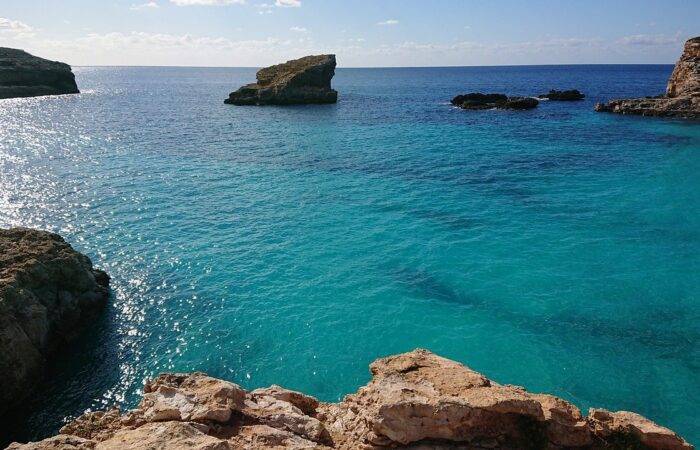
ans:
x=556 y=248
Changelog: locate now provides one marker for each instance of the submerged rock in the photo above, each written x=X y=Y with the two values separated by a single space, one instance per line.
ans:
x=491 y=101
x=299 y=81
x=415 y=400
x=25 y=75
x=570 y=95
x=49 y=293
x=682 y=97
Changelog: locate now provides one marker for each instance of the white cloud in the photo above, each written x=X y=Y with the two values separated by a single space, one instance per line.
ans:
x=651 y=39
x=15 y=28
x=142 y=6
x=207 y=2
x=299 y=30
x=389 y=22
x=288 y=3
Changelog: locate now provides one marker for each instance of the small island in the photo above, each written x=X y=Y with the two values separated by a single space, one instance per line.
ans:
x=300 y=81
x=476 y=101
x=563 y=96
x=682 y=97
x=25 y=75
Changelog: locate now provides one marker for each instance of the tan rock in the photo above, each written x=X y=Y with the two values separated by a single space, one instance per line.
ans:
x=195 y=397
x=415 y=400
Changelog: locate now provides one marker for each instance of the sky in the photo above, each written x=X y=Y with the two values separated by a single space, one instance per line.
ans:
x=362 y=33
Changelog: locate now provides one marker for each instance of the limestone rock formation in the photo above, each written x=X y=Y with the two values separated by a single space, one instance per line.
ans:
x=415 y=400
x=565 y=96
x=491 y=101
x=682 y=97
x=299 y=81
x=25 y=75
x=48 y=294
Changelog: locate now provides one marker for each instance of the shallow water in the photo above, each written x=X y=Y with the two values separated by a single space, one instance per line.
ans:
x=556 y=248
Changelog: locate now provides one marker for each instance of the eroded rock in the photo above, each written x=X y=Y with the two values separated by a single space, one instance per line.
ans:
x=477 y=101
x=25 y=75
x=415 y=400
x=299 y=81
x=49 y=293
x=682 y=96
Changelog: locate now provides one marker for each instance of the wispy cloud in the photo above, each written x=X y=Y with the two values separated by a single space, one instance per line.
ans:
x=142 y=6
x=299 y=30
x=16 y=28
x=288 y=3
x=388 y=22
x=207 y=2
x=651 y=39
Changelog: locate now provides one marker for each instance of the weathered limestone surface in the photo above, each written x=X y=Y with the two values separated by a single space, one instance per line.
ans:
x=682 y=97
x=415 y=400
x=25 y=75
x=48 y=295
x=299 y=81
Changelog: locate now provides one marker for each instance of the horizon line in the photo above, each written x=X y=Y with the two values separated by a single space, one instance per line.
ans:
x=374 y=67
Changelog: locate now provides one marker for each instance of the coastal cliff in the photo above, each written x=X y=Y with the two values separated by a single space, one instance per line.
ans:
x=682 y=97
x=416 y=400
x=25 y=75
x=49 y=293
x=299 y=81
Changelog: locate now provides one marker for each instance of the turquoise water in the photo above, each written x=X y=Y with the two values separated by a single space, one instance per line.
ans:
x=557 y=248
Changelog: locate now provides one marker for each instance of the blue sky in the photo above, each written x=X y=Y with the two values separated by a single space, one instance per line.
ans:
x=361 y=32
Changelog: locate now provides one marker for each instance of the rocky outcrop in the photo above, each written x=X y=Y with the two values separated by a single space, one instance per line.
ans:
x=299 y=81
x=682 y=97
x=563 y=96
x=415 y=400
x=25 y=75
x=48 y=294
x=493 y=101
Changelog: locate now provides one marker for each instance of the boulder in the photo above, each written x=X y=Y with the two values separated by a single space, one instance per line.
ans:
x=25 y=75
x=565 y=96
x=476 y=101
x=415 y=400
x=49 y=293
x=682 y=96
x=299 y=81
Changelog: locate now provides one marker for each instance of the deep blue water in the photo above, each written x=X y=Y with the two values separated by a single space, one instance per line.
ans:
x=557 y=248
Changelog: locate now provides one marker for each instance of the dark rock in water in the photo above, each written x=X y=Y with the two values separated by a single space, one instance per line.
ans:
x=490 y=101
x=570 y=95
x=682 y=97
x=24 y=75
x=300 y=81
x=49 y=293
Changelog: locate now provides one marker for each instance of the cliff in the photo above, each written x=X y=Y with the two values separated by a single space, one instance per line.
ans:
x=48 y=295
x=300 y=81
x=415 y=400
x=682 y=97
x=24 y=75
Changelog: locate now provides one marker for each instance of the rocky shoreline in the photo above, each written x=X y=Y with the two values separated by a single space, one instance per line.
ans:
x=49 y=294
x=682 y=97
x=25 y=75
x=415 y=400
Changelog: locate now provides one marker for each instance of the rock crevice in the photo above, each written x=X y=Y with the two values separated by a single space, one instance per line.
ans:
x=415 y=400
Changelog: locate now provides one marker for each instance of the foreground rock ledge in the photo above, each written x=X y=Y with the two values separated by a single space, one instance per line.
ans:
x=299 y=81
x=682 y=97
x=415 y=400
x=25 y=75
x=48 y=294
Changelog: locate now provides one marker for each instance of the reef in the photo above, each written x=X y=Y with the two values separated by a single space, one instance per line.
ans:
x=299 y=81
x=25 y=75
x=49 y=294
x=563 y=96
x=682 y=96
x=476 y=101
x=415 y=400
